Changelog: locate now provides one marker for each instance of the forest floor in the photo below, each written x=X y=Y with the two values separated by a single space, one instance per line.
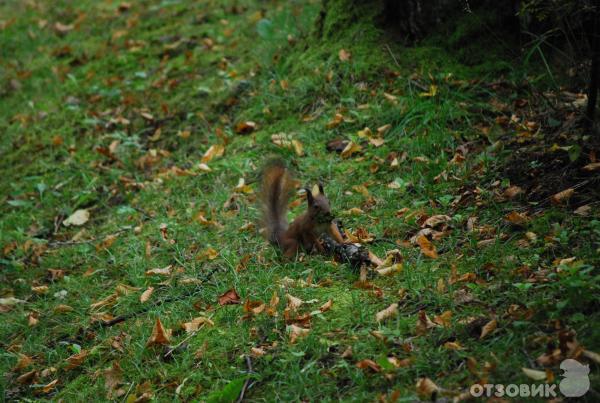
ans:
x=132 y=137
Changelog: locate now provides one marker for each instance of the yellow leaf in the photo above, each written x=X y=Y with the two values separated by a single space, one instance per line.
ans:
x=216 y=150
x=350 y=149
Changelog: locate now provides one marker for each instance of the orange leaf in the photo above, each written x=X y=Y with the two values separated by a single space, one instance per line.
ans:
x=427 y=248
x=159 y=335
x=229 y=297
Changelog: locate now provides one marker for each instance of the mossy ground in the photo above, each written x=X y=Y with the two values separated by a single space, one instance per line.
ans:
x=162 y=81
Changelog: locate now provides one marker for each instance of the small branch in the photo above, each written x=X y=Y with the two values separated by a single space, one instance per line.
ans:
x=247 y=382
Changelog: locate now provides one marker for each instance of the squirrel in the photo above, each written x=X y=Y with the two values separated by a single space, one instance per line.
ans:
x=304 y=232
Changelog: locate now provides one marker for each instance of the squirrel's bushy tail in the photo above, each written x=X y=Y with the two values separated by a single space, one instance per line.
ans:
x=277 y=185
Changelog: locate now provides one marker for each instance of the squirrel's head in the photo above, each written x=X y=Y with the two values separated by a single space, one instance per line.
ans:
x=318 y=206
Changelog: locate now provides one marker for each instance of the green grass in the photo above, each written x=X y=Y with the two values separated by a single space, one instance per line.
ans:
x=154 y=58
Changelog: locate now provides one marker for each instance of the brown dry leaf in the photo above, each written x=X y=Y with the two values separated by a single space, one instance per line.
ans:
x=335 y=122
x=108 y=301
x=293 y=303
x=24 y=362
x=245 y=127
x=48 y=387
x=253 y=308
x=78 y=218
x=344 y=55
x=368 y=364
x=159 y=335
x=400 y=363
x=512 y=192
x=443 y=319
x=216 y=150
x=354 y=211
x=517 y=218
x=350 y=149
x=146 y=294
x=229 y=297
x=584 y=210
x=196 y=323
x=488 y=328
x=453 y=345
x=39 y=290
x=165 y=271
x=436 y=220
x=326 y=306
x=594 y=166
x=426 y=388
x=124 y=289
x=287 y=141
x=534 y=374
x=257 y=352
x=113 y=377
x=76 y=360
x=204 y=167
x=376 y=141
x=27 y=378
x=387 y=313
x=424 y=324
x=106 y=242
x=56 y=274
x=296 y=332
x=427 y=248
x=562 y=197
x=62 y=308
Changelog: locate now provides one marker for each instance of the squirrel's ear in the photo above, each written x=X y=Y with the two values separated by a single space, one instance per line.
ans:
x=321 y=191
x=309 y=196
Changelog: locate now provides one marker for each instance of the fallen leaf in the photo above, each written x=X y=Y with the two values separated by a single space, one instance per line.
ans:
x=350 y=149
x=78 y=218
x=426 y=388
x=165 y=271
x=453 y=345
x=326 y=306
x=76 y=360
x=229 y=297
x=344 y=55
x=512 y=192
x=592 y=167
x=24 y=362
x=27 y=378
x=296 y=332
x=517 y=218
x=534 y=374
x=584 y=210
x=293 y=303
x=427 y=248
x=488 y=328
x=196 y=323
x=48 y=387
x=245 y=127
x=424 y=324
x=368 y=364
x=387 y=313
x=216 y=150
x=443 y=319
x=208 y=254
x=562 y=197
x=436 y=220
x=146 y=294
x=159 y=335
x=113 y=377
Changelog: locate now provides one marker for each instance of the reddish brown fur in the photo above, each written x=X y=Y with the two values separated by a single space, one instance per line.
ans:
x=305 y=230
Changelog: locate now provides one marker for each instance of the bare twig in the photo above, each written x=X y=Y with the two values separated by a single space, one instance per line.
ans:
x=247 y=382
